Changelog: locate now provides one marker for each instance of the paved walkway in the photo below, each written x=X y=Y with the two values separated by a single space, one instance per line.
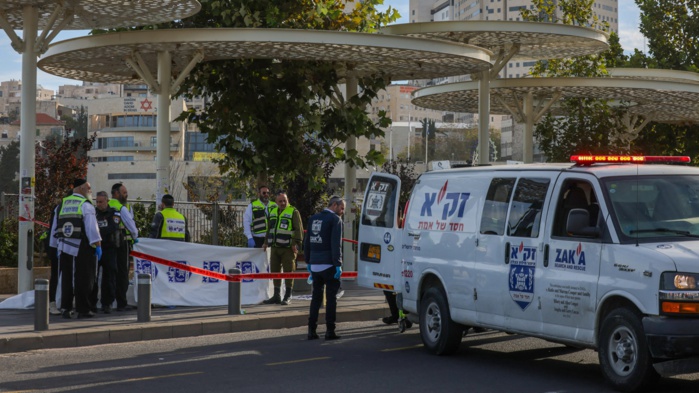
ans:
x=17 y=326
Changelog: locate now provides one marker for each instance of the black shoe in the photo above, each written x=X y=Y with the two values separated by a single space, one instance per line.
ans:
x=389 y=320
x=83 y=315
x=125 y=308
x=107 y=310
x=67 y=314
x=312 y=335
x=94 y=310
x=331 y=336
x=286 y=301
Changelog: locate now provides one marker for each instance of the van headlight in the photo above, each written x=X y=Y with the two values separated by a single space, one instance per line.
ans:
x=679 y=294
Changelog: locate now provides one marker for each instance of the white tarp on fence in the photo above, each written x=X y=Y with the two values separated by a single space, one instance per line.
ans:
x=175 y=287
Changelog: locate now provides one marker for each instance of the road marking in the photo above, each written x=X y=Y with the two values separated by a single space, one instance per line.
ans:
x=401 y=348
x=97 y=384
x=298 y=361
x=162 y=376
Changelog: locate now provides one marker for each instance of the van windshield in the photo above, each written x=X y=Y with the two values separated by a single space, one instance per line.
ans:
x=648 y=207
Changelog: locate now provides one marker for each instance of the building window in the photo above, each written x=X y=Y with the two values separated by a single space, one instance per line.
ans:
x=112 y=158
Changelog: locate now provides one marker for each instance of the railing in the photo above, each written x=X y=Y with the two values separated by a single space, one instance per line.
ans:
x=208 y=223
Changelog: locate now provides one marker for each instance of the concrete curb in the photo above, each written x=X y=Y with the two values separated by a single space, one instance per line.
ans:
x=156 y=330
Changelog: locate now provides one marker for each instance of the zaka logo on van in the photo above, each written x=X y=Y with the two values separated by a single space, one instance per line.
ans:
x=521 y=277
x=570 y=259
x=213 y=266
x=176 y=275
x=146 y=267
x=452 y=202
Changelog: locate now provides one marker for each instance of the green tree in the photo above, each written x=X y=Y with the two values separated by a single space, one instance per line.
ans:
x=672 y=30
x=586 y=128
x=264 y=112
x=57 y=165
x=77 y=124
x=9 y=162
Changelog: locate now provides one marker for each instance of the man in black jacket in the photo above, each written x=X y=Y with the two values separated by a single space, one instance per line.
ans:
x=108 y=222
x=323 y=253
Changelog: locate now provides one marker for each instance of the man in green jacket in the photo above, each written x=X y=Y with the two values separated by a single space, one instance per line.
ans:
x=285 y=237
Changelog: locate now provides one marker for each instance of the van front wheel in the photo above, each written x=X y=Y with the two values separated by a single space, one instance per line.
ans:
x=439 y=333
x=623 y=352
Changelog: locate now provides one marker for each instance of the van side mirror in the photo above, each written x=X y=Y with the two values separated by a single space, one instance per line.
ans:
x=578 y=224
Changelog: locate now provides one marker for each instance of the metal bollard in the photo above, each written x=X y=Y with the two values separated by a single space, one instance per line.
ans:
x=234 y=294
x=144 y=293
x=41 y=304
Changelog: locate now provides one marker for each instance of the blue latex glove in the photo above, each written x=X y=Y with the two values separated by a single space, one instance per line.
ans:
x=251 y=243
x=338 y=272
x=135 y=241
x=310 y=275
x=98 y=252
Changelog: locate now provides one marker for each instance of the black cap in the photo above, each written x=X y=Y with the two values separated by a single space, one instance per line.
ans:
x=78 y=182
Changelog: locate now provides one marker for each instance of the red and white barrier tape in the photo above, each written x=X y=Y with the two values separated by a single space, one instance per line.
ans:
x=228 y=277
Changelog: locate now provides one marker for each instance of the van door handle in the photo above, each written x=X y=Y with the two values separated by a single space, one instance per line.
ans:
x=415 y=234
x=546 y=255
x=507 y=253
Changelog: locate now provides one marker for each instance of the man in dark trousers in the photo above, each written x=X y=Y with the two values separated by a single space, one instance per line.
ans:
x=79 y=243
x=168 y=223
x=323 y=252
x=128 y=229
x=108 y=222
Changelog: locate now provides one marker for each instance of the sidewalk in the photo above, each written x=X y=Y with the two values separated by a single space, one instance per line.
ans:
x=17 y=326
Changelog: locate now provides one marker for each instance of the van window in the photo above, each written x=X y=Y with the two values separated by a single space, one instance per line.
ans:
x=525 y=213
x=574 y=194
x=495 y=207
x=655 y=206
x=380 y=205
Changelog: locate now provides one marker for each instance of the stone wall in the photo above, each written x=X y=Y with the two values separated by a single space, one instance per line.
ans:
x=8 y=278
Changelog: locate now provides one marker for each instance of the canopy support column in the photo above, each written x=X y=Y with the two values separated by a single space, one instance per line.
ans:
x=163 y=131
x=348 y=254
x=25 y=261
x=483 y=118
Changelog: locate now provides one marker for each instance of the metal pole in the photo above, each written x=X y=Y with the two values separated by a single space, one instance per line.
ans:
x=163 y=127
x=26 y=151
x=528 y=140
x=234 y=295
x=484 y=118
x=214 y=224
x=144 y=297
x=350 y=183
x=41 y=304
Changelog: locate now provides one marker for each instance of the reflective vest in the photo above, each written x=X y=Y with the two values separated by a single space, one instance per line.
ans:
x=173 y=225
x=260 y=217
x=117 y=206
x=281 y=227
x=69 y=224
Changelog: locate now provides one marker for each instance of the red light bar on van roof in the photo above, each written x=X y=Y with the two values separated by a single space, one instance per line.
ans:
x=587 y=160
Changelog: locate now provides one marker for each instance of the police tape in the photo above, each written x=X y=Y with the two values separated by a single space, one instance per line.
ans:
x=43 y=224
x=228 y=277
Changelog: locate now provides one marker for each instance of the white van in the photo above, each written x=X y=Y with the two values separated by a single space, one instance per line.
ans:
x=589 y=254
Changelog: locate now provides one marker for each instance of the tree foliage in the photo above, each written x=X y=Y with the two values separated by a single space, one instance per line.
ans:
x=264 y=113
x=9 y=162
x=57 y=165
x=588 y=124
x=672 y=30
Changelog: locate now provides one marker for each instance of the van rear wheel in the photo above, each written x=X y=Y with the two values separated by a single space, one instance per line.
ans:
x=623 y=352
x=439 y=333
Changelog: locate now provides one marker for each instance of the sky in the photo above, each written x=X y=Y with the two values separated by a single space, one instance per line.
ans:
x=11 y=67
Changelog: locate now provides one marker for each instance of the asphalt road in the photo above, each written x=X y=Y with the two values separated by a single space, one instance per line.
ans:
x=370 y=357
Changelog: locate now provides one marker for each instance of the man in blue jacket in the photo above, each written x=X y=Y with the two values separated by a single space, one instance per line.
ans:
x=323 y=252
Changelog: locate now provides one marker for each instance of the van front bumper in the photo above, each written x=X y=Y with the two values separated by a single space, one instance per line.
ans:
x=672 y=338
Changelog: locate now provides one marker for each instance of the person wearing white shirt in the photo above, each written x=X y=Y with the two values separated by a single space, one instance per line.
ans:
x=79 y=244
x=256 y=218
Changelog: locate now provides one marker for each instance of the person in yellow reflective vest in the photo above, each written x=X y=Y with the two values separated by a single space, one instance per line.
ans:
x=256 y=216
x=127 y=224
x=285 y=237
x=168 y=223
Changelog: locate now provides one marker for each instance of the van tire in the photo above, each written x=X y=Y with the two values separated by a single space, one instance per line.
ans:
x=623 y=352
x=439 y=333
